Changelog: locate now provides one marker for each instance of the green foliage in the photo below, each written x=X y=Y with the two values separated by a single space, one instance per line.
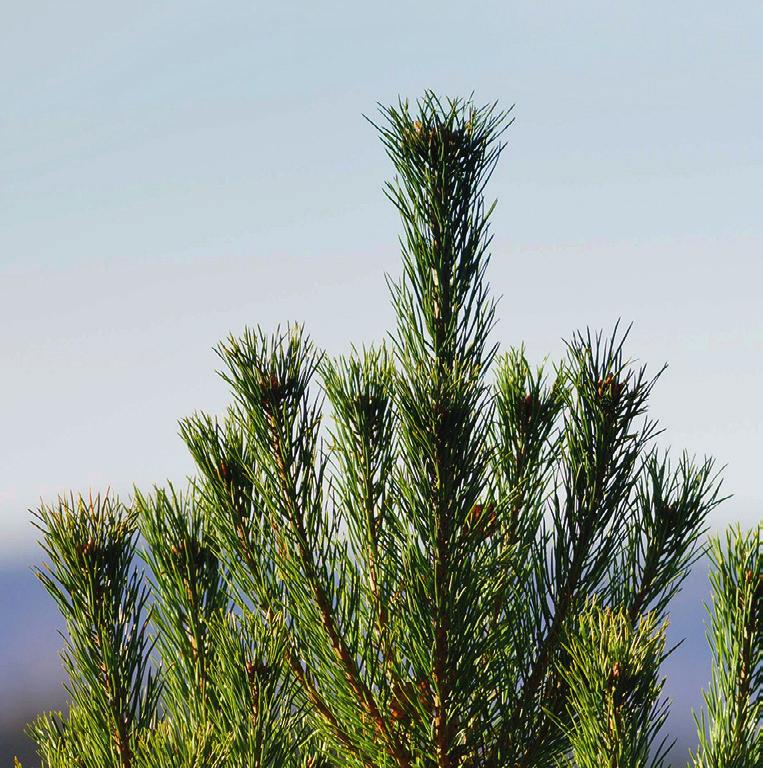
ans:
x=424 y=555
x=92 y=577
x=730 y=733
x=190 y=593
x=611 y=671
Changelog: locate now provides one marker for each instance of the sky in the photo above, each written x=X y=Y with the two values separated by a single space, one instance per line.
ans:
x=172 y=172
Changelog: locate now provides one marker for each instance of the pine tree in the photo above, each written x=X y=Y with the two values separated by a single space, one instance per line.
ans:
x=425 y=554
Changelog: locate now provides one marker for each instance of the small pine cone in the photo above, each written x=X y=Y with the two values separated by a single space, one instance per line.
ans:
x=475 y=514
x=526 y=406
x=670 y=512
x=611 y=387
x=483 y=518
x=271 y=386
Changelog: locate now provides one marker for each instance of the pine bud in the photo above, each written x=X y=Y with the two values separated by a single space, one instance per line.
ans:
x=87 y=548
x=271 y=387
x=400 y=704
x=483 y=518
x=670 y=513
x=526 y=405
x=397 y=712
x=425 y=695
x=611 y=387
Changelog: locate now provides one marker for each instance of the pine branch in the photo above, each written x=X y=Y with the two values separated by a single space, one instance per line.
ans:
x=664 y=534
x=733 y=738
x=190 y=595
x=443 y=155
x=225 y=456
x=271 y=380
x=359 y=389
x=605 y=433
x=91 y=544
x=613 y=712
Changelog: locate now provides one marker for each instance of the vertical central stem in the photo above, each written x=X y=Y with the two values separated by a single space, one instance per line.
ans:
x=441 y=671
x=444 y=372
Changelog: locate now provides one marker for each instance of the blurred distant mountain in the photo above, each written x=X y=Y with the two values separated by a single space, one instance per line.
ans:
x=30 y=668
x=31 y=677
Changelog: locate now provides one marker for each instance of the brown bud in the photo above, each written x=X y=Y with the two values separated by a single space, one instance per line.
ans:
x=270 y=384
x=448 y=136
x=397 y=712
x=670 y=512
x=256 y=671
x=399 y=707
x=610 y=386
x=526 y=405
x=483 y=518
x=603 y=385
x=425 y=695
x=87 y=548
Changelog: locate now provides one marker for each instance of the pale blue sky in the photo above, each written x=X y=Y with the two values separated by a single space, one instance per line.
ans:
x=170 y=172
